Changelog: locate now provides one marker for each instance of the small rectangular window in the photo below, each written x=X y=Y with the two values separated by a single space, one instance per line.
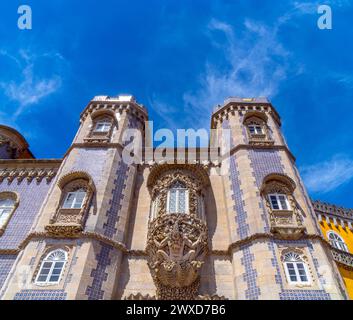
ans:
x=102 y=126
x=279 y=202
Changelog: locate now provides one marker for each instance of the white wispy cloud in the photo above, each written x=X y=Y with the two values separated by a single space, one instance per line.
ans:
x=328 y=175
x=257 y=65
x=29 y=88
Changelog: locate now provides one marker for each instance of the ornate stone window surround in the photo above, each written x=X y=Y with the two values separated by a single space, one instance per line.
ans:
x=67 y=221
x=15 y=198
x=256 y=126
x=102 y=116
x=176 y=242
x=160 y=191
x=308 y=267
x=285 y=223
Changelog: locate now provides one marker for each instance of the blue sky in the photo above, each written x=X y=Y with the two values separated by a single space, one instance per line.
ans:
x=180 y=59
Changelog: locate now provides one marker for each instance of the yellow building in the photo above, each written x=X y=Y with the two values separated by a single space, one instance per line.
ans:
x=337 y=228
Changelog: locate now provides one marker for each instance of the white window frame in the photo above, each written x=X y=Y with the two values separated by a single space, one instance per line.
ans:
x=338 y=243
x=255 y=128
x=296 y=271
x=75 y=199
x=52 y=267
x=177 y=200
x=106 y=125
x=277 y=195
x=5 y=211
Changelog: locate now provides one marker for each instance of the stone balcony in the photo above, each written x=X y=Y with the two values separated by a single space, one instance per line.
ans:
x=342 y=257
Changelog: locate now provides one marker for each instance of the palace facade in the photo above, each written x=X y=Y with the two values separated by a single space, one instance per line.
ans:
x=241 y=226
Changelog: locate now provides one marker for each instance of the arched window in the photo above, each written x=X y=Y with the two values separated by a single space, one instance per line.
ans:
x=52 y=267
x=74 y=199
x=336 y=241
x=177 y=201
x=279 y=201
x=295 y=268
x=8 y=204
x=6 y=207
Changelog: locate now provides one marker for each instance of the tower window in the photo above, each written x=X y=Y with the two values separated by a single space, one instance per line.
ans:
x=74 y=199
x=177 y=201
x=295 y=268
x=279 y=201
x=336 y=241
x=103 y=126
x=52 y=267
x=255 y=129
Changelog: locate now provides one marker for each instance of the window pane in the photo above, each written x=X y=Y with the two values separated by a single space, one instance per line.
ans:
x=302 y=273
x=172 y=201
x=54 y=278
x=274 y=202
x=4 y=214
x=69 y=200
x=182 y=201
x=258 y=130
x=56 y=272
x=42 y=278
x=252 y=129
x=79 y=198
x=47 y=265
x=58 y=264
x=282 y=199
x=44 y=271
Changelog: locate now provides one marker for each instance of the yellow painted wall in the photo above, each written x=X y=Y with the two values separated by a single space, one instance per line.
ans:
x=347 y=235
x=347 y=276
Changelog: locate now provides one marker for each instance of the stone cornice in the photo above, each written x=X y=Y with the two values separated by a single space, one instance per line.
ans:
x=265 y=146
x=226 y=252
x=94 y=145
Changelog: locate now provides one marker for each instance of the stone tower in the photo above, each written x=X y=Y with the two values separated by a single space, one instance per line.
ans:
x=90 y=228
x=271 y=220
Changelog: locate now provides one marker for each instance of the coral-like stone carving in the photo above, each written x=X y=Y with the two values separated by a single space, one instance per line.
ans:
x=177 y=244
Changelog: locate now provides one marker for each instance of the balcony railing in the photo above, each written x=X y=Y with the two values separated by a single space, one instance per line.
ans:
x=343 y=257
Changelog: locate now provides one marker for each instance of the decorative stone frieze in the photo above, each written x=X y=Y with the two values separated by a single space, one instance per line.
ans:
x=27 y=173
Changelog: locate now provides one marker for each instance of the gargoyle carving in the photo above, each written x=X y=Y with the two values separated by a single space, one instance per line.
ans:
x=177 y=244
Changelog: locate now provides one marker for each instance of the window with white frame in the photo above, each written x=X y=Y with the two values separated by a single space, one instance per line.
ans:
x=74 y=199
x=103 y=126
x=295 y=268
x=279 y=201
x=177 y=200
x=52 y=267
x=255 y=129
x=336 y=241
x=6 y=208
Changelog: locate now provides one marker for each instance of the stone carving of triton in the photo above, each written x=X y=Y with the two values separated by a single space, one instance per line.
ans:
x=177 y=244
